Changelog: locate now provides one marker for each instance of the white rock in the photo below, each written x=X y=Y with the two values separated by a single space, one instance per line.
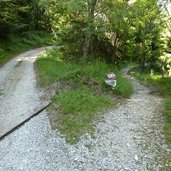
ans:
x=136 y=157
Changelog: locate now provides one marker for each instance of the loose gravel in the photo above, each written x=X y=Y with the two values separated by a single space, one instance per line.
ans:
x=129 y=138
x=19 y=97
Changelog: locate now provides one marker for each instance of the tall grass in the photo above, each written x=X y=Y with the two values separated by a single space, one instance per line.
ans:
x=51 y=69
x=17 y=44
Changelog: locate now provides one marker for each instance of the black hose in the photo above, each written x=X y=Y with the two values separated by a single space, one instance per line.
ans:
x=22 y=123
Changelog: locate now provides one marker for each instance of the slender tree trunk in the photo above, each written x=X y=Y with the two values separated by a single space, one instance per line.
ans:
x=90 y=27
x=86 y=46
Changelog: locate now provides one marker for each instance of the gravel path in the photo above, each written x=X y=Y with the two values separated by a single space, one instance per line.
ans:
x=18 y=85
x=129 y=138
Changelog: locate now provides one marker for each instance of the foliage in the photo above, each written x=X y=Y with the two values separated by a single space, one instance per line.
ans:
x=51 y=69
x=142 y=41
x=15 y=45
x=8 y=18
x=21 y=15
x=116 y=30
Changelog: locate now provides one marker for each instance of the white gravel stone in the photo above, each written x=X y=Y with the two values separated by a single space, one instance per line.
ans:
x=131 y=141
x=136 y=158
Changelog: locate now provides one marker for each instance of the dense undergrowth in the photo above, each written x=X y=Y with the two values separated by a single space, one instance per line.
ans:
x=163 y=85
x=84 y=94
x=17 y=44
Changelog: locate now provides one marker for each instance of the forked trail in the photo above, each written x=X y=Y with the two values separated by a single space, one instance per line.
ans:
x=128 y=138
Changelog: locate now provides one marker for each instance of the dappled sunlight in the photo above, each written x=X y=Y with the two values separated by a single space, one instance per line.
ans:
x=155 y=77
x=31 y=58
x=30 y=55
x=131 y=1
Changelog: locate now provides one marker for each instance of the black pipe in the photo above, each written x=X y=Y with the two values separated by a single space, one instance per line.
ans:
x=22 y=123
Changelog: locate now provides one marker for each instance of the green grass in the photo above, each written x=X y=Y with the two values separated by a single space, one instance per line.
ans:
x=124 y=86
x=78 y=109
x=164 y=87
x=84 y=94
x=51 y=70
x=168 y=118
x=17 y=44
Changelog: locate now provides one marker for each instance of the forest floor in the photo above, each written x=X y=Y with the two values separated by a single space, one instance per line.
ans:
x=127 y=138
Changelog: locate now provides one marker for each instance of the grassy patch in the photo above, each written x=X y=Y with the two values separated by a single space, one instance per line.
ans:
x=83 y=96
x=168 y=117
x=51 y=70
x=77 y=110
x=124 y=86
x=164 y=87
x=15 y=45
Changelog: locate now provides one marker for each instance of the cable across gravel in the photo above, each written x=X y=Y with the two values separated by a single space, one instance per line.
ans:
x=129 y=138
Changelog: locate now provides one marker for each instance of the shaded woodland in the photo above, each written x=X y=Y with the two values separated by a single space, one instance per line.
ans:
x=122 y=30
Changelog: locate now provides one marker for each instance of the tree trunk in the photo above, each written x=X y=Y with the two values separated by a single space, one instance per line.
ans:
x=90 y=27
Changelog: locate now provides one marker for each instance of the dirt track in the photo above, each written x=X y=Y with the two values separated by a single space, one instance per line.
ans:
x=129 y=138
x=20 y=97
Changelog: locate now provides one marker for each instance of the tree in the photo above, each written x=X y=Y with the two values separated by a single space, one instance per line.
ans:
x=8 y=18
x=91 y=4
x=117 y=30
x=17 y=16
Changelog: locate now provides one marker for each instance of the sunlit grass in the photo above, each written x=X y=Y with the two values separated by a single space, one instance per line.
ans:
x=74 y=108
x=124 y=87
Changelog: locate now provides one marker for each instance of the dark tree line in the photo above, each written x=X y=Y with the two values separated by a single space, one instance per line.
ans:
x=113 y=29
x=17 y=16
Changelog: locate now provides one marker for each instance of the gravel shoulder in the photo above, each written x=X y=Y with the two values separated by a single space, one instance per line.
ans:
x=128 y=138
